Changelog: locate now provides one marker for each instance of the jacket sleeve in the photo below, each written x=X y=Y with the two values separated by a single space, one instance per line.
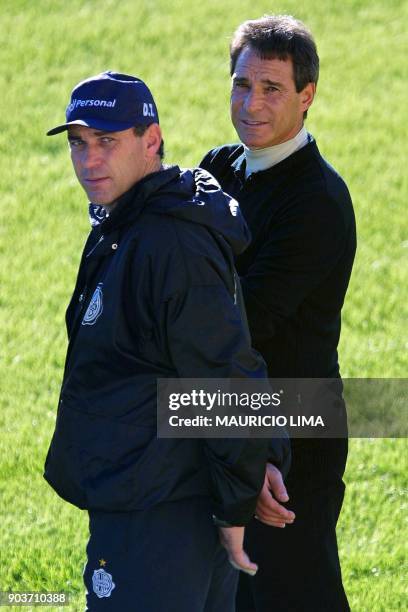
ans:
x=305 y=244
x=208 y=338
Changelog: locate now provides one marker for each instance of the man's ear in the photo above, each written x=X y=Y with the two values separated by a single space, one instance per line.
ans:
x=152 y=139
x=307 y=96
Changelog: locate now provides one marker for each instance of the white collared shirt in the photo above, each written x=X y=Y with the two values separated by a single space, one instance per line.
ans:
x=261 y=159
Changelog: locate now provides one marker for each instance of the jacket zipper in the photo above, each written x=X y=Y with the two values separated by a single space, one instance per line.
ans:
x=95 y=245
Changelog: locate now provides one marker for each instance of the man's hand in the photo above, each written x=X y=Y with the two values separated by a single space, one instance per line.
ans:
x=232 y=539
x=268 y=509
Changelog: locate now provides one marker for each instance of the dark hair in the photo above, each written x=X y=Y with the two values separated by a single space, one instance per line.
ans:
x=140 y=130
x=279 y=37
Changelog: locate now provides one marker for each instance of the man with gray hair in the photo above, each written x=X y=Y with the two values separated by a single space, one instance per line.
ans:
x=294 y=277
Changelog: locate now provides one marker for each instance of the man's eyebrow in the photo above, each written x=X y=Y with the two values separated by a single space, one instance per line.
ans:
x=102 y=132
x=269 y=82
x=244 y=79
x=72 y=136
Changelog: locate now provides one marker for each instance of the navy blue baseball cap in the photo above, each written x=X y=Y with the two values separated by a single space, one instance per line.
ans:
x=110 y=101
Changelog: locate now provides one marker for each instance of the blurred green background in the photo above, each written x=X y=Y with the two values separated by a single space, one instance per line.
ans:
x=181 y=49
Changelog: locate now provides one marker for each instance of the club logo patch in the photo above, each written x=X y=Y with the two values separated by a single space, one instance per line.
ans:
x=102 y=582
x=95 y=307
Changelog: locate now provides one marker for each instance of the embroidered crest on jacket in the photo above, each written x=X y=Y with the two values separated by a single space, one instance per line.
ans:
x=102 y=582
x=95 y=307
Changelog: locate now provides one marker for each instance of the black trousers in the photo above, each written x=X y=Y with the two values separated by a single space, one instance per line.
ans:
x=299 y=569
x=166 y=559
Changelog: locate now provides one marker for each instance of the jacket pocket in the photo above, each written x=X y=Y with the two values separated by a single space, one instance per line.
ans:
x=92 y=459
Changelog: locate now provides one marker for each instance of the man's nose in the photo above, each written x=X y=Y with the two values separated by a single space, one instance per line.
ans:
x=90 y=156
x=253 y=101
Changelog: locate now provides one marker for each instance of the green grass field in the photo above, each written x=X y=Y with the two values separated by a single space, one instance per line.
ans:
x=180 y=49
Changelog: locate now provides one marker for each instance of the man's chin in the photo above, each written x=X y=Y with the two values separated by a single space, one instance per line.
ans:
x=253 y=141
x=254 y=144
x=99 y=198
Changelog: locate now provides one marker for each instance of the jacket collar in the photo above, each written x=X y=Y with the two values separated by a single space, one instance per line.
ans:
x=132 y=202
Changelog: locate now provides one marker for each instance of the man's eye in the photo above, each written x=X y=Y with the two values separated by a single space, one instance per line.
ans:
x=106 y=139
x=272 y=88
x=241 y=85
x=75 y=143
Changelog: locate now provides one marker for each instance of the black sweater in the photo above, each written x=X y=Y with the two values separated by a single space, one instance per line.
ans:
x=296 y=271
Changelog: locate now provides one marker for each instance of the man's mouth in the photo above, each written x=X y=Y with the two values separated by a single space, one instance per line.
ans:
x=95 y=181
x=252 y=123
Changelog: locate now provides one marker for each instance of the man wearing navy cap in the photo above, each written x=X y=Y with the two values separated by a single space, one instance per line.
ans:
x=156 y=297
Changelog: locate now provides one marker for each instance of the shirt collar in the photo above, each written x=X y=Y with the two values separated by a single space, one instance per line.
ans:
x=262 y=159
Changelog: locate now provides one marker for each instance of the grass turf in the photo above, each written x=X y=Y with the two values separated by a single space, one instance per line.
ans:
x=180 y=49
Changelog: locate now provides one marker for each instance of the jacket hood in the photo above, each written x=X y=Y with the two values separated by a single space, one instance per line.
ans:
x=192 y=195
x=197 y=197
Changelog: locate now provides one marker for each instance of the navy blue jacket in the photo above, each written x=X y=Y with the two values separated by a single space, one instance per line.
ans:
x=156 y=296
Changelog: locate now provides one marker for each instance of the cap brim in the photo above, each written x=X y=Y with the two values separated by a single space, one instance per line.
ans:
x=109 y=126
